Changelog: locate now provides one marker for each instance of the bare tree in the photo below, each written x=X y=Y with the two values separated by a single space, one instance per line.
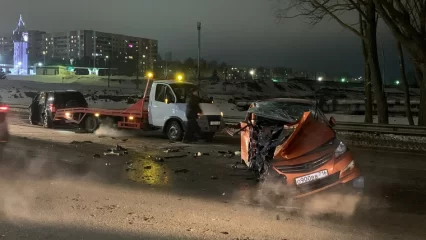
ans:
x=367 y=77
x=317 y=10
x=405 y=85
x=407 y=21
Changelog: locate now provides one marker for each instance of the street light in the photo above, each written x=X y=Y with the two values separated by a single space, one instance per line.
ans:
x=320 y=79
x=179 y=77
x=397 y=82
x=343 y=80
x=150 y=75
x=252 y=73
x=40 y=64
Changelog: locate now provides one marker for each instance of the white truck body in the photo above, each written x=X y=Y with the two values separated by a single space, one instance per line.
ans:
x=167 y=103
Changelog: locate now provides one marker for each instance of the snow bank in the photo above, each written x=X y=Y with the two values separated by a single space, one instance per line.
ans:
x=122 y=92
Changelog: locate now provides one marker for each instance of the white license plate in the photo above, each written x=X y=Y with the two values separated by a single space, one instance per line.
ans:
x=311 y=177
x=215 y=123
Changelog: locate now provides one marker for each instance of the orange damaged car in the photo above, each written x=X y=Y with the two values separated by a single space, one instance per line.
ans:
x=292 y=142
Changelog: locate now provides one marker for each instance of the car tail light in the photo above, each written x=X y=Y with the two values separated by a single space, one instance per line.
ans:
x=4 y=108
x=52 y=108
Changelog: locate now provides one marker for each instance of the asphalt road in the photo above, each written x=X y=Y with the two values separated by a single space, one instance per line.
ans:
x=54 y=189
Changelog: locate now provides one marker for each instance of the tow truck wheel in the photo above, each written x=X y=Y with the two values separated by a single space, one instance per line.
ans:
x=174 y=131
x=91 y=123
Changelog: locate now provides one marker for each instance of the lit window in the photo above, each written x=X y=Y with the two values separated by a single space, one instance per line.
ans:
x=130 y=57
x=146 y=47
x=143 y=56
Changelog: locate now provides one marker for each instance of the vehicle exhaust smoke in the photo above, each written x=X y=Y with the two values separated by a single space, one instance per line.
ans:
x=106 y=129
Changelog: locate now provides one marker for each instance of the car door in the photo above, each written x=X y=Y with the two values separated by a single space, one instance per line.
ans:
x=34 y=108
x=41 y=106
x=162 y=106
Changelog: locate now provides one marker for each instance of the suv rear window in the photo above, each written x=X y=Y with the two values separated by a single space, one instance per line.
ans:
x=61 y=99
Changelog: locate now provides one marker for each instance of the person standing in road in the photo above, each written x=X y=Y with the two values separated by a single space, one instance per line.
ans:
x=193 y=109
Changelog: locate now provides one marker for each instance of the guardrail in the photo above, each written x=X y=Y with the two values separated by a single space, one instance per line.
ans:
x=405 y=130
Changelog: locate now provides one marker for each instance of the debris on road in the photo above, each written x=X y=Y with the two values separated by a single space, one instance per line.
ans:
x=199 y=154
x=176 y=156
x=96 y=155
x=147 y=167
x=172 y=150
x=181 y=171
x=226 y=233
x=229 y=154
x=117 y=151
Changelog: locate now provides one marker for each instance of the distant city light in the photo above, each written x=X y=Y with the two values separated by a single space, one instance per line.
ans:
x=320 y=79
x=251 y=72
x=130 y=45
x=397 y=82
x=343 y=80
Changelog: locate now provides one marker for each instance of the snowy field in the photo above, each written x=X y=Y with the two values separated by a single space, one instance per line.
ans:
x=19 y=90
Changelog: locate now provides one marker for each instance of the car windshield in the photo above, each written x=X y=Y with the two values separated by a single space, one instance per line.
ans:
x=286 y=111
x=182 y=91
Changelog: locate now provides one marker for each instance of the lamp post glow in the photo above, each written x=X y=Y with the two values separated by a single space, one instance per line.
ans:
x=150 y=75
x=44 y=57
x=252 y=73
x=40 y=64
x=397 y=82
x=179 y=78
x=320 y=79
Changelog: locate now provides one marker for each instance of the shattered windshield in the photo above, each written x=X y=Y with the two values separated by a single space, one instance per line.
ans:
x=289 y=112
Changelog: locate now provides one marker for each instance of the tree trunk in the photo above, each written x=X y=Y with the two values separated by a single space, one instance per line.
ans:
x=367 y=77
x=373 y=61
x=421 y=79
x=405 y=85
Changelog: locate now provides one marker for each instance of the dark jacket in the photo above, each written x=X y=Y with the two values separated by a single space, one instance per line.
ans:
x=193 y=106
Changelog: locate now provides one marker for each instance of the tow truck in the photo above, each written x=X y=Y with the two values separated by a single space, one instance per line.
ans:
x=162 y=107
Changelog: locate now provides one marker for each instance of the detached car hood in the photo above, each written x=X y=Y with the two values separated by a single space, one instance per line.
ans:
x=309 y=134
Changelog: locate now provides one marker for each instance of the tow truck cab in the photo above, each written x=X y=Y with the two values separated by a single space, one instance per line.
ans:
x=167 y=109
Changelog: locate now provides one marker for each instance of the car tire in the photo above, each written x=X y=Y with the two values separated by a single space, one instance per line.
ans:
x=91 y=124
x=47 y=121
x=31 y=118
x=208 y=136
x=174 y=131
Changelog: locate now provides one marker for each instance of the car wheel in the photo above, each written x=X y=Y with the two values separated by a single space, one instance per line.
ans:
x=31 y=118
x=47 y=121
x=208 y=136
x=174 y=131
x=91 y=124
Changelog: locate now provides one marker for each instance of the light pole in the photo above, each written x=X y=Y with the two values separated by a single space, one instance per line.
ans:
x=109 y=68
x=199 y=52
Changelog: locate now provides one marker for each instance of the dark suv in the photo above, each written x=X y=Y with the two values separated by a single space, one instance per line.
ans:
x=45 y=103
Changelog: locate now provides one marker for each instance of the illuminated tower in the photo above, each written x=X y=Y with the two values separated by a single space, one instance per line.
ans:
x=20 y=45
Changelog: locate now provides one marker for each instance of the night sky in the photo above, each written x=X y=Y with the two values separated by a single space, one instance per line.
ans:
x=240 y=32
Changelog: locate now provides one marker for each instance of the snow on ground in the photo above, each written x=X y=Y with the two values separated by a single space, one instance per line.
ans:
x=19 y=90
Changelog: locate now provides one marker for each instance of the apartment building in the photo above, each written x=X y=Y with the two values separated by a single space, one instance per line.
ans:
x=99 y=49
x=6 y=50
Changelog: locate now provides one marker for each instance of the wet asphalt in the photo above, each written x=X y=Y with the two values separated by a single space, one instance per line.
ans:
x=393 y=205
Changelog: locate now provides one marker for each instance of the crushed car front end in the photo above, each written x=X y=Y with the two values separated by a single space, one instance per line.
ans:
x=291 y=142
